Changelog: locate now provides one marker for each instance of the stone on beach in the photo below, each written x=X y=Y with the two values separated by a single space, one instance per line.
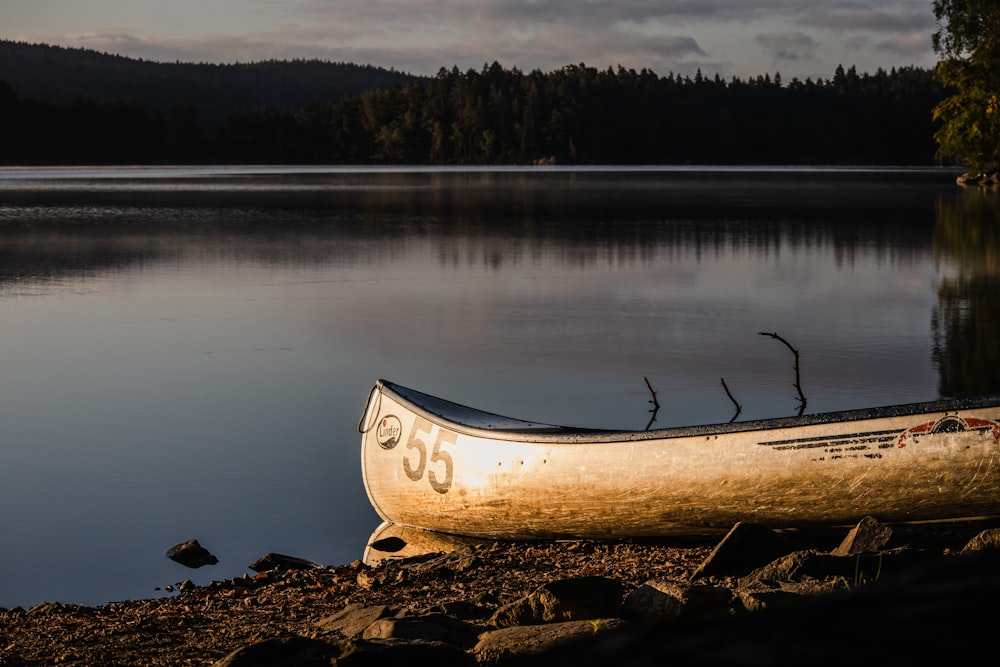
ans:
x=191 y=554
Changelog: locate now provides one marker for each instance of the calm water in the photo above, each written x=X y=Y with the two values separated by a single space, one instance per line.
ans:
x=186 y=353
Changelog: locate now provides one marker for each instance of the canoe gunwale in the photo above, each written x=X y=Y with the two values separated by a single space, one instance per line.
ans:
x=446 y=413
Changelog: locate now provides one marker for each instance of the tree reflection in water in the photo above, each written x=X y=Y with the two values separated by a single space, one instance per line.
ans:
x=966 y=321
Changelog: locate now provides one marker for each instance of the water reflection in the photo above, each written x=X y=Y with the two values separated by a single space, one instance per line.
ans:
x=967 y=318
x=478 y=218
x=187 y=355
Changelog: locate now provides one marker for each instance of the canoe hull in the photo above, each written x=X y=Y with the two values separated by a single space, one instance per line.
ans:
x=505 y=479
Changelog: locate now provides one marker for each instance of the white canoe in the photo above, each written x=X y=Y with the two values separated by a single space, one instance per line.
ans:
x=436 y=465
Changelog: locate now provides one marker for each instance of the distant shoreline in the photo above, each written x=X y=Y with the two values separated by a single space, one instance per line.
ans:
x=173 y=171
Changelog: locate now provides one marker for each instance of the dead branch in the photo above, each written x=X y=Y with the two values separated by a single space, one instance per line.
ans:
x=798 y=384
x=656 y=404
x=739 y=408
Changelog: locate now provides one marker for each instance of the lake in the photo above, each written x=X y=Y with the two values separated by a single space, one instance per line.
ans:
x=186 y=352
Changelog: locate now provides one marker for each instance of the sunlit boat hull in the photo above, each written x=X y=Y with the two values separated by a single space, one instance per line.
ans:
x=432 y=464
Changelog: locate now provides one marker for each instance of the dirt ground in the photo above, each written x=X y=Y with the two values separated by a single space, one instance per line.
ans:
x=201 y=625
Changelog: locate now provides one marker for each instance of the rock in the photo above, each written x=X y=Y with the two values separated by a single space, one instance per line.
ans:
x=286 y=652
x=297 y=651
x=574 y=599
x=428 y=627
x=664 y=600
x=443 y=565
x=367 y=579
x=351 y=621
x=867 y=536
x=191 y=554
x=653 y=601
x=988 y=540
x=796 y=565
x=987 y=181
x=509 y=645
x=273 y=561
x=746 y=547
x=928 y=615
x=397 y=652
x=780 y=595
x=43 y=608
x=792 y=577
x=463 y=610
x=404 y=628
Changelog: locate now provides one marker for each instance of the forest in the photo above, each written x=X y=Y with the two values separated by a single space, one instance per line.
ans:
x=279 y=113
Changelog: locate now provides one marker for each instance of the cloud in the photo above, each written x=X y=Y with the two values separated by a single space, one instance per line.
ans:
x=119 y=37
x=673 y=47
x=532 y=12
x=204 y=48
x=663 y=35
x=790 y=46
x=914 y=44
x=857 y=42
x=546 y=34
x=110 y=41
x=523 y=33
x=499 y=15
x=871 y=20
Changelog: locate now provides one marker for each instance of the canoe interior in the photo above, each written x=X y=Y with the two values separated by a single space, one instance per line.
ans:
x=502 y=427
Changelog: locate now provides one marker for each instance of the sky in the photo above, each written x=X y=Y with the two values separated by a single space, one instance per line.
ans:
x=730 y=38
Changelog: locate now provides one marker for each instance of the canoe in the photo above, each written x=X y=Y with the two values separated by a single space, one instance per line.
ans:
x=436 y=465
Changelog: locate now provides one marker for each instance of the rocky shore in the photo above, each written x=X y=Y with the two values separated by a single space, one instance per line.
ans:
x=988 y=181
x=876 y=594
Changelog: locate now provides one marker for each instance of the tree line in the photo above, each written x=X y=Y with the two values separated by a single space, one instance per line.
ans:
x=495 y=115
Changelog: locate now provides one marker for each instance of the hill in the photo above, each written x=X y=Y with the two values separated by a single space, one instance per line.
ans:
x=57 y=75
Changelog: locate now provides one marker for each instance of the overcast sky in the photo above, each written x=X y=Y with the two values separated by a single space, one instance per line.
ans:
x=742 y=38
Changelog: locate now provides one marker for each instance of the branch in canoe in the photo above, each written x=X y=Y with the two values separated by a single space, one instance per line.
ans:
x=798 y=384
x=656 y=404
x=739 y=408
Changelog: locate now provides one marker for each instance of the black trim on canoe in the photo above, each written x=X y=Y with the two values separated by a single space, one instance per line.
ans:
x=487 y=424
